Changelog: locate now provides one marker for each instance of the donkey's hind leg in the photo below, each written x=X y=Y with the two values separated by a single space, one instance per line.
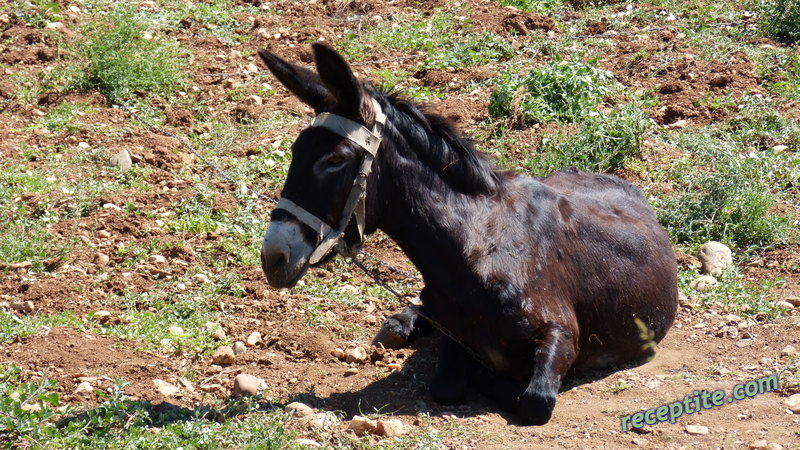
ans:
x=400 y=328
x=454 y=369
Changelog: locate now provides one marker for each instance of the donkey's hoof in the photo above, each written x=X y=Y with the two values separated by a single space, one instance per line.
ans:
x=391 y=335
x=536 y=409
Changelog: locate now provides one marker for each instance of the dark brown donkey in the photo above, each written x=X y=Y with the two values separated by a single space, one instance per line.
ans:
x=533 y=278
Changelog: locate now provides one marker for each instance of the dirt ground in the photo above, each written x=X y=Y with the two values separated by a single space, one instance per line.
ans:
x=704 y=350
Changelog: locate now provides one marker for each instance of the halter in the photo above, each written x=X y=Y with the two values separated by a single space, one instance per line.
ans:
x=369 y=140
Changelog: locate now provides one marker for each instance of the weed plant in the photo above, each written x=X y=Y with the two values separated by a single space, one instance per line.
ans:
x=780 y=19
x=603 y=143
x=561 y=91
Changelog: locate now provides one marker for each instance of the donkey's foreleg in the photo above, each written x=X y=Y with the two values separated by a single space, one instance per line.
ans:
x=400 y=328
x=554 y=354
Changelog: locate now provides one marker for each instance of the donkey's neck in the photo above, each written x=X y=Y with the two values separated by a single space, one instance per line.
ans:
x=434 y=215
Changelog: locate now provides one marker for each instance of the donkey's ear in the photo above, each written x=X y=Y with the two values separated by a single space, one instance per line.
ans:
x=339 y=79
x=302 y=82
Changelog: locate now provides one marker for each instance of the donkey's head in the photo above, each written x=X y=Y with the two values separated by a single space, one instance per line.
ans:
x=324 y=188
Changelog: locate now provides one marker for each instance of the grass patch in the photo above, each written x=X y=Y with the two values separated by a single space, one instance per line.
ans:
x=780 y=19
x=735 y=294
x=445 y=38
x=561 y=91
x=603 y=143
x=124 y=59
x=724 y=193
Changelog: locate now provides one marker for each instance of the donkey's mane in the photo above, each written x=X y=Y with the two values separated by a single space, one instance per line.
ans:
x=448 y=152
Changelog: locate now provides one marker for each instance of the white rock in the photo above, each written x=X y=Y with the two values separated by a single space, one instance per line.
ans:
x=101 y=259
x=121 y=160
x=323 y=420
x=794 y=301
x=157 y=259
x=361 y=425
x=760 y=444
x=102 y=316
x=714 y=258
x=696 y=430
x=239 y=348
x=390 y=428
x=223 y=356
x=356 y=355
x=252 y=68
x=703 y=283
x=253 y=100
x=254 y=339
x=300 y=409
x=175 y=331
x=166 y=389
x=789 y=350
x=784 y=305
x=338 y=354
x=308 y=443
x=246 y=385
x=780 y=148
x=350 y=289
x=84 y=388
x=201 y=278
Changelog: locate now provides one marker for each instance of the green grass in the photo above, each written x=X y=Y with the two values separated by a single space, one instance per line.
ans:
x=603 y=143
x=561 y=91
x=124 y=423
x=732 y=198
x=447 y=40
x=780 y=19
x=735 y=294
x=121 y=62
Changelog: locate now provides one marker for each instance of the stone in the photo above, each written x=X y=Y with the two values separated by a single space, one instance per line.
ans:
x=714 y=258
x=25 y=307
x=703 y=283
x=101 y=259
x=696 y=430
x=253 y=100
x=84 y=388
x=157 y=259
x=166 y=389
x=252 y=68
x=103 y=234
x=784 y=305
x=303 y=442
x=245 y=385
x=338 y=354
x=794 y=301
x=254 y=339
x=356 y=355
x=201 y=278
x=301 y=410
x=349 y=289
x=175 y=331
x=760 y=444
x=774 y=446
x=121 y=160
x=239 y=348
x=729 y=331
x=390 y=428
x=350 y=372
x=102 y=316
x=790 y=350
x=31 y=407
x=323 y=420
x=361 y=425
x=780 y=148
x=394 y=367
x=218 y=334
x=223 y=356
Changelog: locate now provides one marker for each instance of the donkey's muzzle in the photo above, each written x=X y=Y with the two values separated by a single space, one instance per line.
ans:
x=284 y=254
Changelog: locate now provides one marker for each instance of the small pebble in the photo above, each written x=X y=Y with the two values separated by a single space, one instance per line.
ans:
x=350 y=372
x=361 y=425
x=697 y=430
x=101 y=259
x=356 y=355
x=793 y=403
x=389 y=428
x=338 y=354
x=166 y=389
x=102 y=316
x=703 y=283
x=239 y=348
x=254 y=339
x=175 y=331
x=23 y=307
x=308 y=443
x=157 y=259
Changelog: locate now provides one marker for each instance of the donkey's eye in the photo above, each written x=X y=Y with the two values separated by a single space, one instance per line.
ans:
x=330 y=163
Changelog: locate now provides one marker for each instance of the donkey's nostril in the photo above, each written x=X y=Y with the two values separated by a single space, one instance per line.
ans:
x=274 y=258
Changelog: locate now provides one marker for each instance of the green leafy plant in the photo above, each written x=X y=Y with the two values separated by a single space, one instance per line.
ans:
x=561 y=91
x=25 y=406
x=123 y=61
x=37 y=13
x=603 y=143
x=781 y=19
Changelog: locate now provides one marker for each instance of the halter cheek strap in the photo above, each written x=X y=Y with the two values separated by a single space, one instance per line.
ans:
x=369 y=140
